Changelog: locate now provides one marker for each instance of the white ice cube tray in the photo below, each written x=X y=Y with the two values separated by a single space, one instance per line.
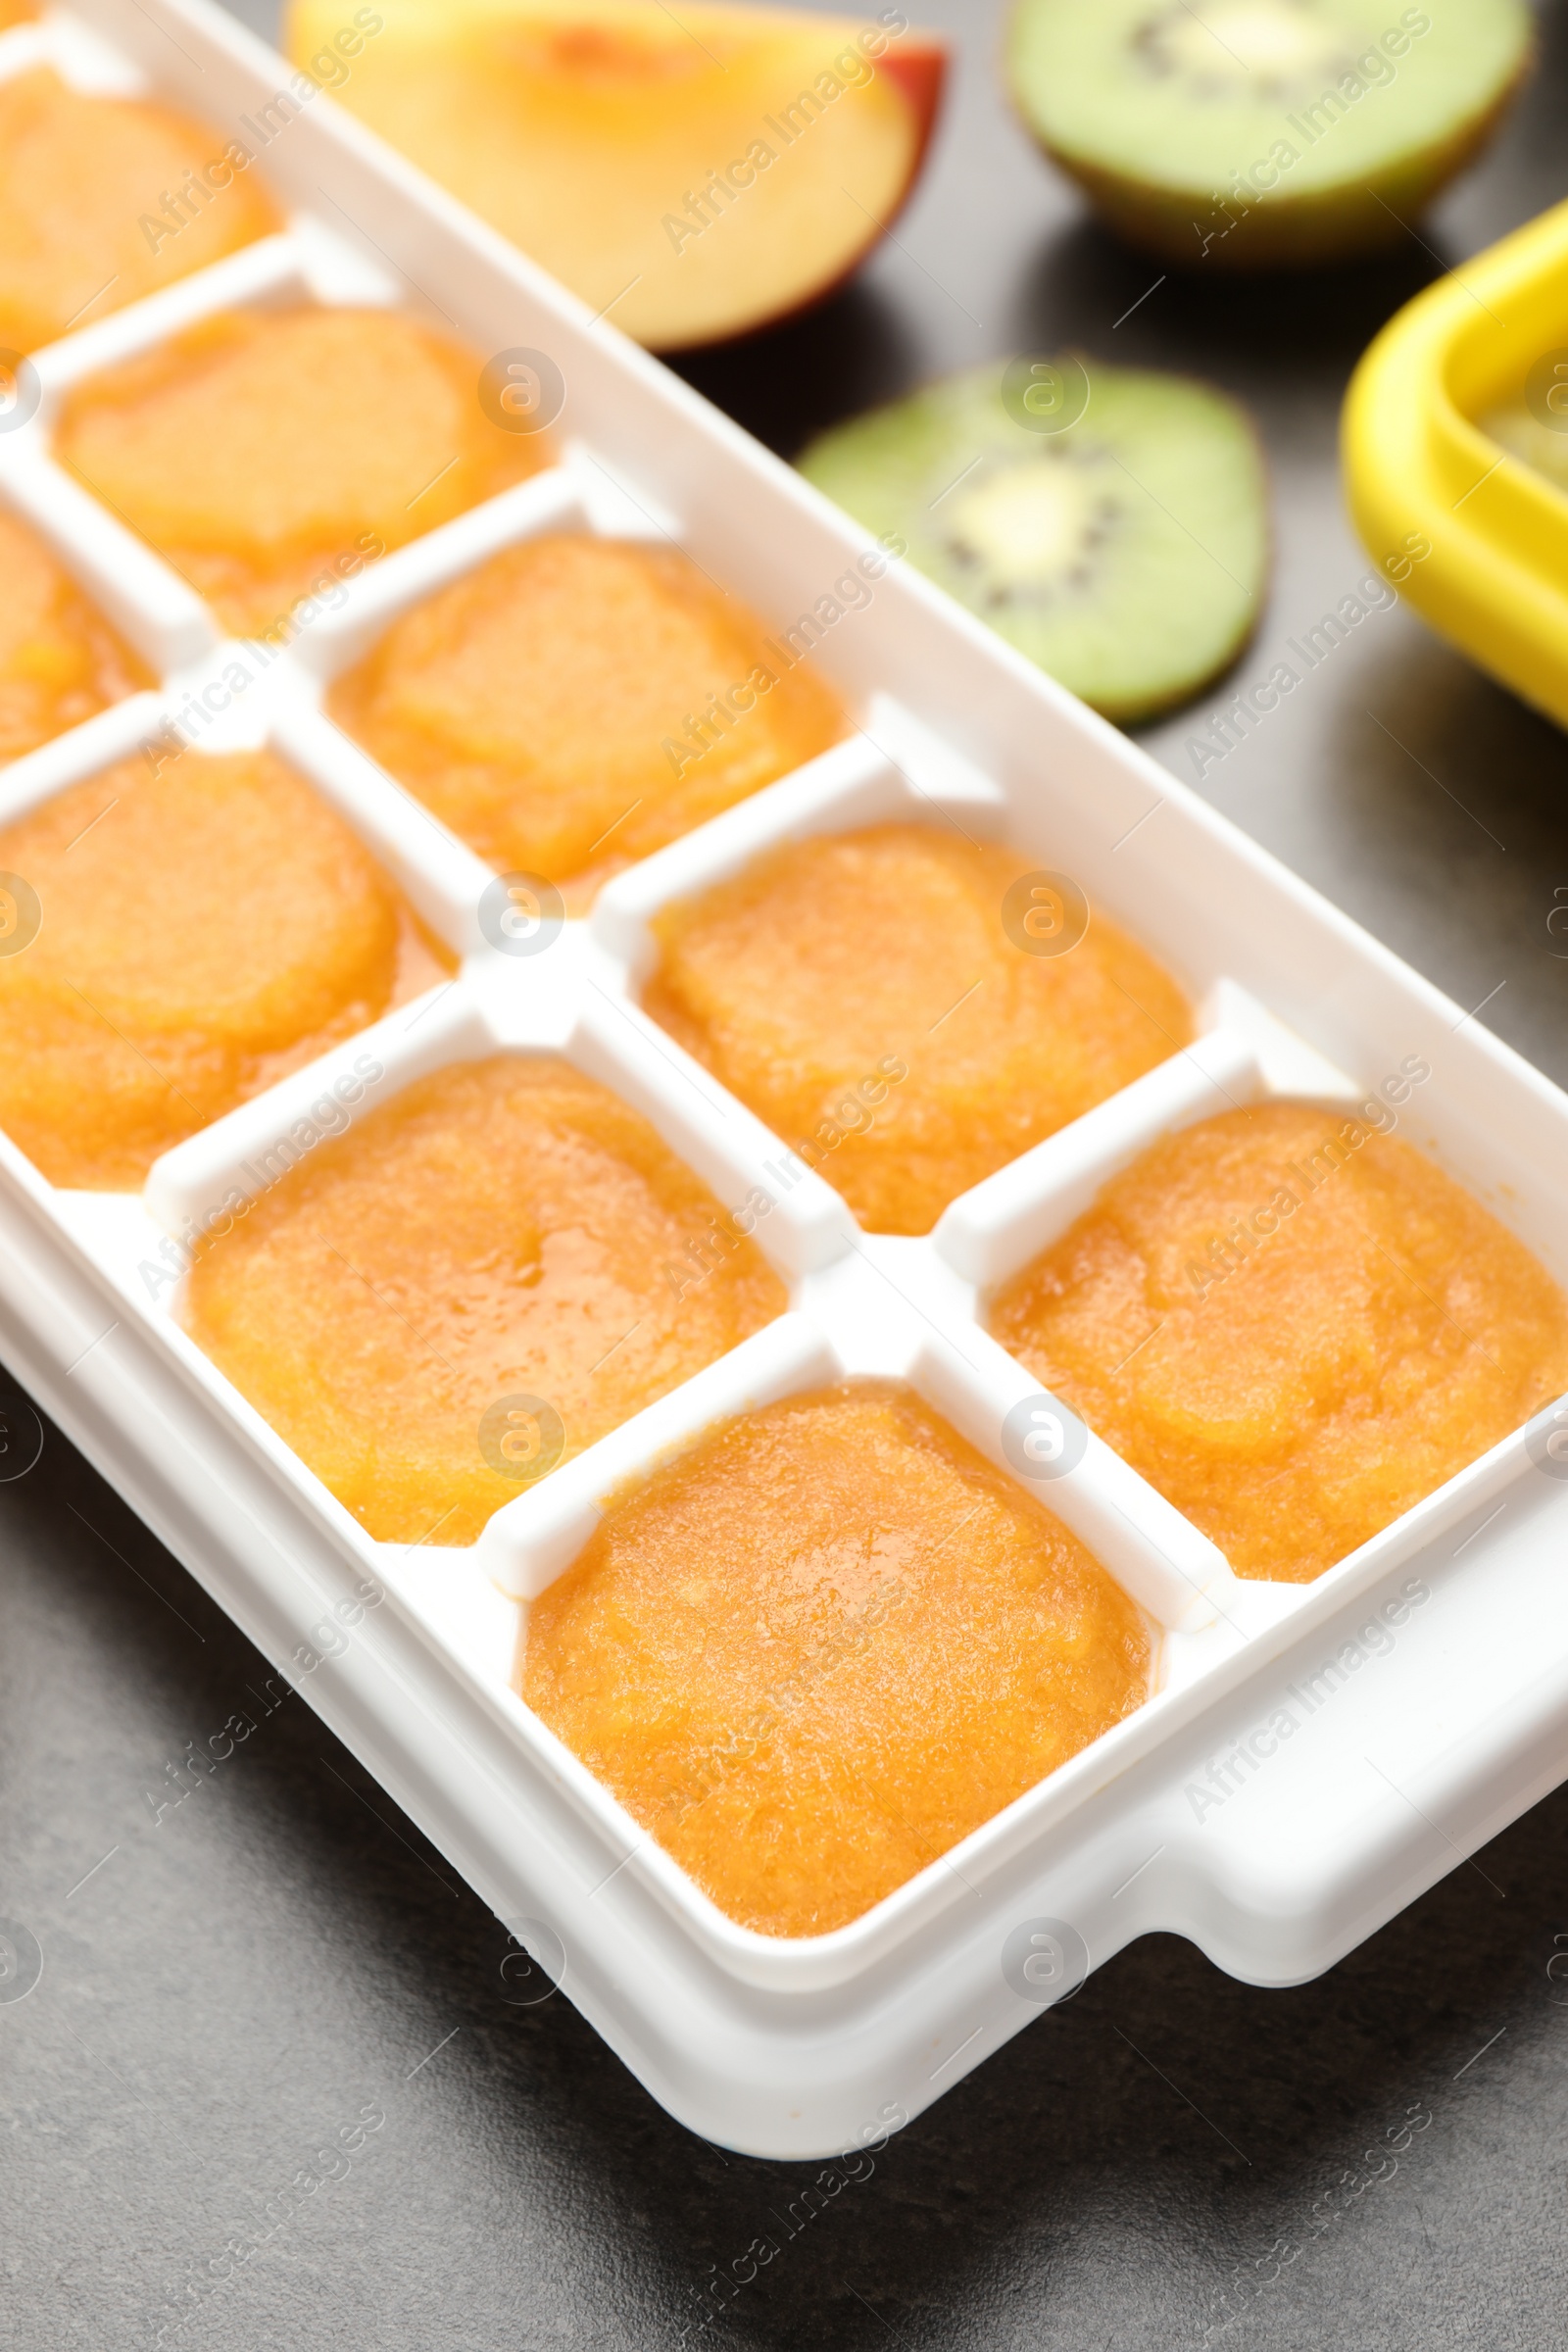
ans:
x=1312 y=1756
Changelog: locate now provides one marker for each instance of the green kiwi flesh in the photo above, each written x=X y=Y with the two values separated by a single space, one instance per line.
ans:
x=1125 y=553
x=1254 y=134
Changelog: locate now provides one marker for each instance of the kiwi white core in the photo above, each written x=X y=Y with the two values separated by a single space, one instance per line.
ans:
x=1252 y=46
x=1031 y=523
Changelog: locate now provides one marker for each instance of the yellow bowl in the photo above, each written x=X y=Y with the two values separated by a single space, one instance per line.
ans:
x=1476 y=537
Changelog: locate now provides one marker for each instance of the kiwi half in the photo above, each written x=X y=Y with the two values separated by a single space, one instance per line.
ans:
x=1125 y=552
x=1255 y=134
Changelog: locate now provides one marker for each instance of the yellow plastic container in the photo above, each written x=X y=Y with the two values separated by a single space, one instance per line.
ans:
x=1476 y=538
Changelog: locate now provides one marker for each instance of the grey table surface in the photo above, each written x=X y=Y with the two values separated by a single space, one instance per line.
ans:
x=1170 y=2158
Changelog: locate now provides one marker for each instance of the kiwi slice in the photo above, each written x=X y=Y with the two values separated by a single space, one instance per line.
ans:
x=1255 y=134
x=1124 y=550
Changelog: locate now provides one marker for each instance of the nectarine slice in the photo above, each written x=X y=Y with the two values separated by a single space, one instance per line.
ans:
x=691 y=172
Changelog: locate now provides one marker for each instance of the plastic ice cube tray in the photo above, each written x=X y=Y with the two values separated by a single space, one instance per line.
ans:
x=1312 y=1757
